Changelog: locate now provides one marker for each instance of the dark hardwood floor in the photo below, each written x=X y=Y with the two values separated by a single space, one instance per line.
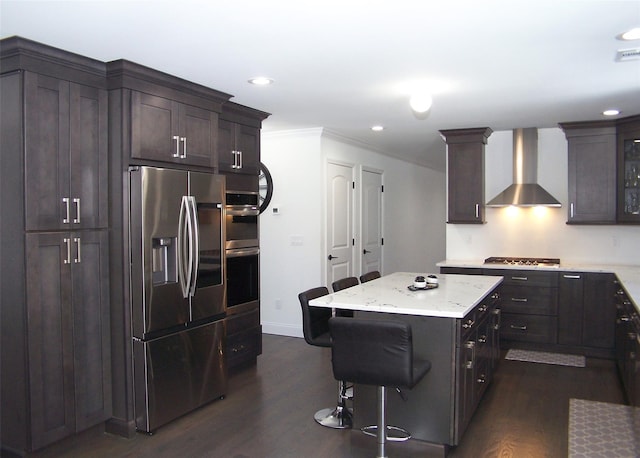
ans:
x=268 y=413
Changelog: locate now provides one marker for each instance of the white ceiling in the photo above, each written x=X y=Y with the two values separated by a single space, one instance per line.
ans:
x=345 y=65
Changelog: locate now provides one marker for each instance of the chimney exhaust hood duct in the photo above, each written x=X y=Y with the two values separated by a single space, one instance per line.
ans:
x=525 y=191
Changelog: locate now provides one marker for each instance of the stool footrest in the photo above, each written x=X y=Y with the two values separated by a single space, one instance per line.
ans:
x=401 y=434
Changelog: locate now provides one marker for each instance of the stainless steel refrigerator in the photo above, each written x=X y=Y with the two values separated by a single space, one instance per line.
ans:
x=177 y=292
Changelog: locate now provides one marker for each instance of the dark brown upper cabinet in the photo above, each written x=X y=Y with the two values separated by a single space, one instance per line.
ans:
x=591 y=172
x=160 y=118
x=239 y=139
x=629 y=170
x=65 y=154
x=465 y=173
x=169 y=131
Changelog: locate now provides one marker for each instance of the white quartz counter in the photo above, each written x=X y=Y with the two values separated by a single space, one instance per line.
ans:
x=628 y=276
x=455 y=296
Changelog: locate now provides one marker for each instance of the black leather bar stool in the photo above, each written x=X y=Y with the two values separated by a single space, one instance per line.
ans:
x=315 y=327
x=380 y=353
x=341 y=284
x=369 y=276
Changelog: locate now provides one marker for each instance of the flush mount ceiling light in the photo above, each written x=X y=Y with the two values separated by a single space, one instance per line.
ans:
x=611 y=112
x=377 y=128
x=421 y=102
x=261 y=81
x=633 y=34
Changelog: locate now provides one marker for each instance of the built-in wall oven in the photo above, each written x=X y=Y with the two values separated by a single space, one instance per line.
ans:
x=242 y=250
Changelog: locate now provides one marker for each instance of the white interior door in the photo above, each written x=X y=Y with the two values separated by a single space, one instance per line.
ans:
x=371 y=221
x=340 y=234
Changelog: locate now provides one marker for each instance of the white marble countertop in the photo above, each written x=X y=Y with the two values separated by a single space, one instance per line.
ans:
x=455 y=296
x=628 y=276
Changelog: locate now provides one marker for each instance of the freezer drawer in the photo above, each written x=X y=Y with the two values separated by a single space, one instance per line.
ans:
x=177 y=373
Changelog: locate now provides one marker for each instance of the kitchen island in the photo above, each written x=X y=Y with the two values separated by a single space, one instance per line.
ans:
x=455 y=326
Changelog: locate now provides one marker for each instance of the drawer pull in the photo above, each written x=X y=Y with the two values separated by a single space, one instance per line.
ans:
x=520 y=278
x=519 y=328
x=518 y=299
x=572 y=277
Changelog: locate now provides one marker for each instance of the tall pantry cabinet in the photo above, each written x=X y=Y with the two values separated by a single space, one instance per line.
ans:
x=54 y=245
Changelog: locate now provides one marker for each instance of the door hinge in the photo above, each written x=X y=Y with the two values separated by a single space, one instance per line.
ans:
x=353 y=185
x=353 y=242
x=382 y=241
x=382 y=188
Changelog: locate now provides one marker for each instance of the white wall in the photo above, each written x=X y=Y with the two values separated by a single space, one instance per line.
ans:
x=540 y=232
x=414 y=215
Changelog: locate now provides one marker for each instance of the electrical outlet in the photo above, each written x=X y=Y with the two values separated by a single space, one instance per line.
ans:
x=278 y=304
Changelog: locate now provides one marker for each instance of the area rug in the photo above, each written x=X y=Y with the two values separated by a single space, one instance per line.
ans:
x=544 y=357
x=603 y=430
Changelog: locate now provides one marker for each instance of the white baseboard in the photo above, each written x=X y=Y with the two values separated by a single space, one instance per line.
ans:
x=280 y=329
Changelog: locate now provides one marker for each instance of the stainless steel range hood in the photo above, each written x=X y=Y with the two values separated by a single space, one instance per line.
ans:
x=525 y=191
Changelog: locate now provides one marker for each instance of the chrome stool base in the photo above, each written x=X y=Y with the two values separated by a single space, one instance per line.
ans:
x=338 y=418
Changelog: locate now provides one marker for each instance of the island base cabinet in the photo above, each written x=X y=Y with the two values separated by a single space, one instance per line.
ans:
x=463 y=355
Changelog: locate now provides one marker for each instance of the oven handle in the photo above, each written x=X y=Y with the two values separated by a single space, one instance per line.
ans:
x=242 y=252
x=242 y=210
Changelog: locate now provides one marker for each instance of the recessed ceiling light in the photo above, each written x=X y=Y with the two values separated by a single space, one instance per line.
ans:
x=377 y=128
x=611 y=112
x=261 y=81
x=633 y=34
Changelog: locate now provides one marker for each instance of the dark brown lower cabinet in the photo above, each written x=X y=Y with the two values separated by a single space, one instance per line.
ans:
x=244 y=338
x=586 y=311
x=627 y=338
x=572 y=312
x=67 y=356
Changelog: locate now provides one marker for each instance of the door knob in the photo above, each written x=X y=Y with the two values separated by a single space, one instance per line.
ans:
x=331 y=257
x=365 y=251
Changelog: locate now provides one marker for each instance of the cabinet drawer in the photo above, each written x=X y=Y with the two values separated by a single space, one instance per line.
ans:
x=243 y=346
x=242 y=321
x=534 y=301
x=525 y=277
x=529 y=328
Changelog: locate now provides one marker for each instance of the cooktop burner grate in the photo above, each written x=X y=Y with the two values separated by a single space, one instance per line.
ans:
x=546 y=262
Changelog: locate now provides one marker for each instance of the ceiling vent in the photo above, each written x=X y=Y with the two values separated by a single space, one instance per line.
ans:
x=624 y=55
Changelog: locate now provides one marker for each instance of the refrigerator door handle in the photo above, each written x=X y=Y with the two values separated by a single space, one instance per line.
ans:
x=195 y=245
x=182 y=222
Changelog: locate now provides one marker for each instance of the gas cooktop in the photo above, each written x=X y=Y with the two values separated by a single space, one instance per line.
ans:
x=539 y=262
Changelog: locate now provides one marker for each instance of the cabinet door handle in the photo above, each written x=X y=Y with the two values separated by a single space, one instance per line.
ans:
x=78 y=258
x=65 y=200
x=76 y=201
x=239 y=159
x=470 y=345
x=498 y=315
x=176 y=138
x=519 y=328
x=571 y=210
x=520 y=278
x=67 y=242
x=519 y=299
x=572 y=277
x=235 y=159
x=183 y=140
x=477 y=210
